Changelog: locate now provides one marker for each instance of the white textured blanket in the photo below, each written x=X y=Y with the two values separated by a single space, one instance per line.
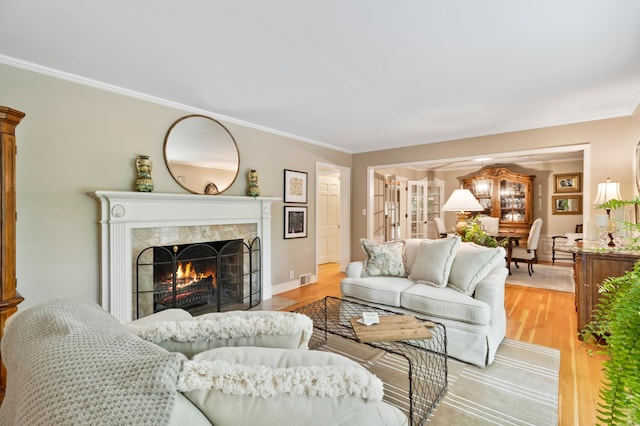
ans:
x=70 y=362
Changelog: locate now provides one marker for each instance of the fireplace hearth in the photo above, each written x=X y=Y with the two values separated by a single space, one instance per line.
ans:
x=205 y=277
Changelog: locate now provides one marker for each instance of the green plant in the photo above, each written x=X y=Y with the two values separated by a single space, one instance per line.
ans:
x=615 y=332
x=475 y=233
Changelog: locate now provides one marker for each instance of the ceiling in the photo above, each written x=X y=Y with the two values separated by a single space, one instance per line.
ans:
x=356 y=75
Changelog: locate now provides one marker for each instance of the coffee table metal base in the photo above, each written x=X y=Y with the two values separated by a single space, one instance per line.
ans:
x=426 y=358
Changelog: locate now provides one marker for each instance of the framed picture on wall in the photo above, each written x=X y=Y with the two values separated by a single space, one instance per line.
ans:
x=569 y=182
x=295 y=222
x=567 y=204
x=295 y=186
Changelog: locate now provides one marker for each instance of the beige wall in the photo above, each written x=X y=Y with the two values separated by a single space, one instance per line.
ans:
x=611 y=144
x=76 y=139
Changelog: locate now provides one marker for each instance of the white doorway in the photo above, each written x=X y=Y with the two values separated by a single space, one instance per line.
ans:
x=333 y=212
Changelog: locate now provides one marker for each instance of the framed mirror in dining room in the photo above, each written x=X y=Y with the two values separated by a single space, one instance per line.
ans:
x=567 y=204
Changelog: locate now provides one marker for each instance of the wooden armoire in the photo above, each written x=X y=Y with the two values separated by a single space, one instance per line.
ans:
x=9 y=297
x=506 y=195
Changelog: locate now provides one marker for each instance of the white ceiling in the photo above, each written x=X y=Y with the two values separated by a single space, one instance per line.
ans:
x=359 y=75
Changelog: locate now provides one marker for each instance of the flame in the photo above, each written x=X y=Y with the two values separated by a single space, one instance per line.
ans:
x=186 y=275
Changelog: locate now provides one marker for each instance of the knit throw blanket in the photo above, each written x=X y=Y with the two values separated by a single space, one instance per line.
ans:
x=70 y=362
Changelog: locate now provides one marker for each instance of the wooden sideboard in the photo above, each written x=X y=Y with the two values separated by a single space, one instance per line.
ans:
x=591 y=269
x=9 y=297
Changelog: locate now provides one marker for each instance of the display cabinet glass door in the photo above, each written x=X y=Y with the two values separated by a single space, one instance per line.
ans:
x=513 y=201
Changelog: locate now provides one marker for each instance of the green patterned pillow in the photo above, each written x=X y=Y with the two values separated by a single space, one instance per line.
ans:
x=383 y=259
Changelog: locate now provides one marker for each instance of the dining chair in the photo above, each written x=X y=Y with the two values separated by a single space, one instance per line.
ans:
x=442 y=229
x=529 y=253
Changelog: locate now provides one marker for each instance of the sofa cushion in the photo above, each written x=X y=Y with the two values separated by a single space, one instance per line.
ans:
x=231 y=385
x=472 y=264
x=433 y=261
x=445 y=303
x=234 y=328
x=383 y=259
x=385 y=290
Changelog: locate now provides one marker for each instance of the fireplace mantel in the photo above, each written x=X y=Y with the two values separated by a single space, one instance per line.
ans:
x=121 y=212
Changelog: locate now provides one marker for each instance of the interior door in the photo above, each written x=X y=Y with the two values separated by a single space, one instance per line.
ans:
x=416 y=209
x=378 y=213
x=328 y=219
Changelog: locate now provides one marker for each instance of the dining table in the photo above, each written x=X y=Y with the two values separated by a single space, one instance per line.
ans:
x=513 y=239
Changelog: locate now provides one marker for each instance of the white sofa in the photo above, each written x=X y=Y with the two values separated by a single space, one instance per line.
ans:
x=460 y=285
x=70 y=362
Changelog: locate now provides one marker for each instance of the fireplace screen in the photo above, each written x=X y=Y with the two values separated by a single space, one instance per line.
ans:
x=201 y=277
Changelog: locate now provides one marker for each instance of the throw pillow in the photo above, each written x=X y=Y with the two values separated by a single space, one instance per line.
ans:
x=233 y=328
x=433 y=261
x=472 y=264
x=267 y=386
x=383 y=259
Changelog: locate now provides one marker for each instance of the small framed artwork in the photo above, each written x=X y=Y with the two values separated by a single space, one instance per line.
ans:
x=569 y=182
x=295 y=187
x=567 y=204
x=295 y=222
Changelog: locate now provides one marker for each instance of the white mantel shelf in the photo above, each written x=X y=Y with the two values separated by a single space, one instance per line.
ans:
x=123 y=211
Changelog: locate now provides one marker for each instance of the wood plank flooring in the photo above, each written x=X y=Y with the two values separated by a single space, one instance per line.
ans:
x=536 y=316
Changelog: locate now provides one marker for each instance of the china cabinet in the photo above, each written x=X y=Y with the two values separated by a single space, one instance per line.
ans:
x=506 y=195
x=9 y=297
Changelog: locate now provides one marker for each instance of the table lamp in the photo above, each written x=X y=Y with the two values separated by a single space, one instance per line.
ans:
x=463 y=202
x=607 y=191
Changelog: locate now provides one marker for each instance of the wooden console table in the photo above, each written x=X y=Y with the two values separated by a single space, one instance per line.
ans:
x=591 y=269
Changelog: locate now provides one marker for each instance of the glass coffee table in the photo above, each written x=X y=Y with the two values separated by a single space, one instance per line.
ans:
x=421 y=343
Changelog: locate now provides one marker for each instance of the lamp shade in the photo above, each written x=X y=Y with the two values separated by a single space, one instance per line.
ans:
x=462 y=200
x=607 y=191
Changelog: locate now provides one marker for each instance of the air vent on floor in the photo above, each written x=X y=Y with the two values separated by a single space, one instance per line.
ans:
x=305 y=279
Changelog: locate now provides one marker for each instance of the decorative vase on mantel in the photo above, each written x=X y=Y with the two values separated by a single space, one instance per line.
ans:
x=253 y=190
x=144 y=183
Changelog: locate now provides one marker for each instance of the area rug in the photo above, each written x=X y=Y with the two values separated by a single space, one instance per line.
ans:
x=519 y=388
x=548 y=277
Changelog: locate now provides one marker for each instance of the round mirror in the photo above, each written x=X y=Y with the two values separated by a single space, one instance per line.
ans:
x=201 y=155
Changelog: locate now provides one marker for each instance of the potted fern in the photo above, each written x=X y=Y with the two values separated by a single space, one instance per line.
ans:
x=615 y=332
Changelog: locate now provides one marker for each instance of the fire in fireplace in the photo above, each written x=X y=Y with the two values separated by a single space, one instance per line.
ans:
x=201 y=277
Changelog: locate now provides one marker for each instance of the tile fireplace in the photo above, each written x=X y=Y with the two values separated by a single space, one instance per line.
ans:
x=131 y=222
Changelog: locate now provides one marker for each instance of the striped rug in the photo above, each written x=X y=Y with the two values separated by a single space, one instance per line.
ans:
x=519 y=388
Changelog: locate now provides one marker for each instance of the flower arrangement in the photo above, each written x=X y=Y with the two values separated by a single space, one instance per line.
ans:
x=475 y=233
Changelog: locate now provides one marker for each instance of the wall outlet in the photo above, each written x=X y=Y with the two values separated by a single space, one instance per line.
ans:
x=291 y=275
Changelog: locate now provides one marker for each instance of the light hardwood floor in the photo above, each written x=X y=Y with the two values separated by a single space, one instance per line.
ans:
x=536 y=316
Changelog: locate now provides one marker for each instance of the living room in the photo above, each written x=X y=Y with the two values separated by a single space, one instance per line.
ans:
x=82 y=134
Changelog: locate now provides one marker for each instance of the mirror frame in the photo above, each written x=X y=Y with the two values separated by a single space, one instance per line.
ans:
x=577 y=202
x=211 y=188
